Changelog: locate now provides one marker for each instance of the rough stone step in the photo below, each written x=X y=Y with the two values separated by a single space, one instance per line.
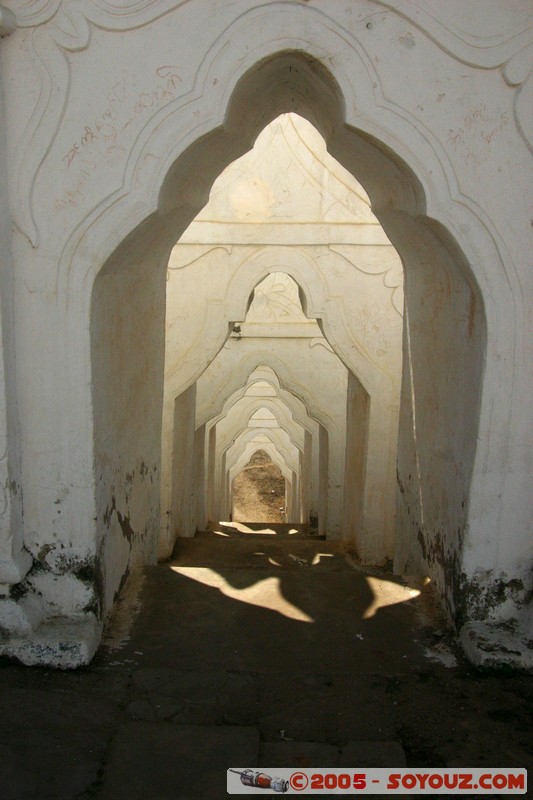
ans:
x=372 y=754
x=162 y=761
x=210 y=550
x=251 y=530
x=320 y=754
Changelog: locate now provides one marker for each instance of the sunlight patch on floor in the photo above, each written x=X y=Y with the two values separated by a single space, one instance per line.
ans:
x=240 y=526
x=319 y=556
x=387 y=593
x=264 y=594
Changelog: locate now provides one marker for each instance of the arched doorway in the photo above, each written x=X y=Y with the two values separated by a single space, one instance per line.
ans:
x=445 y=335
x=445 y=331
x=258 y=491
x=393 y=94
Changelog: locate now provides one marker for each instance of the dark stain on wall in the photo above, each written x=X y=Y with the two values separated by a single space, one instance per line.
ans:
x=478 y=600
x=127 y=530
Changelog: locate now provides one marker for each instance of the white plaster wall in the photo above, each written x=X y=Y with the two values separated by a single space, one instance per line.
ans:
x=262 y=383
x=184 y=466
x=241 y=417
x=356 y=465
x=127 y=358
x=437 y=105
x=200 y=478
x=263 y=216
x=14 y=561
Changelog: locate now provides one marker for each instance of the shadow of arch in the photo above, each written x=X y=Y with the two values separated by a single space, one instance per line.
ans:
x=447 y=336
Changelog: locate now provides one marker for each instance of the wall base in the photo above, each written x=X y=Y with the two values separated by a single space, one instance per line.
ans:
x=488 y=645
x=62 y=643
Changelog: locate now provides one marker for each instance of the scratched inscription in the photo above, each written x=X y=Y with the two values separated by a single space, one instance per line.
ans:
x=473 y=140
x=99 y=140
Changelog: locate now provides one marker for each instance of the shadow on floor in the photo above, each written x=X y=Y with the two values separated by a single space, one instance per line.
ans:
x=248 y=648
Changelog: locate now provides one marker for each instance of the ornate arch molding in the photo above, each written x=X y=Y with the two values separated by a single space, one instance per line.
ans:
x=129 y=208
x=378 y=117
x=267 y=375
x=296 y=263
x=61 y=28
x=280 y=439
x=259 y=358
x=424 y=188
x=231 y=429
x=417 y=195
x=317 y=301
x=487 y=50
x=248 y=405
x=239 y=294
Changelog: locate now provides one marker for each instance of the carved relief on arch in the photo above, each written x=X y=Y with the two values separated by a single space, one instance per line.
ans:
x=518 y=73
x=503 y=35
x=276 y=299
x=120 y=15
x=61 y=30
x=66 y=28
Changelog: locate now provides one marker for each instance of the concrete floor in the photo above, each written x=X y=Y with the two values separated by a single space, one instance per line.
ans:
x=256 y=649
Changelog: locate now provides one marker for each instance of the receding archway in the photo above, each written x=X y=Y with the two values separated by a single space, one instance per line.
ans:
x=444 y=340
x=258 y=491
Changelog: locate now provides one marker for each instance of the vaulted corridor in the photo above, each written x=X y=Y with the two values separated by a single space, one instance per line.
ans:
x=176 y=299
x=289 y=230
x=284 y=321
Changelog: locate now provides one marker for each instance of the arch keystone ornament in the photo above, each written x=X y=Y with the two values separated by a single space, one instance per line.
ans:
x=119 y=118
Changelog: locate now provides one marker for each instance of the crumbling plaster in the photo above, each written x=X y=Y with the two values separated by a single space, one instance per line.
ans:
x=118 y=117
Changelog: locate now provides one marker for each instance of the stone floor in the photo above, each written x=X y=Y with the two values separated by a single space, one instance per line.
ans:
x=256 y=649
